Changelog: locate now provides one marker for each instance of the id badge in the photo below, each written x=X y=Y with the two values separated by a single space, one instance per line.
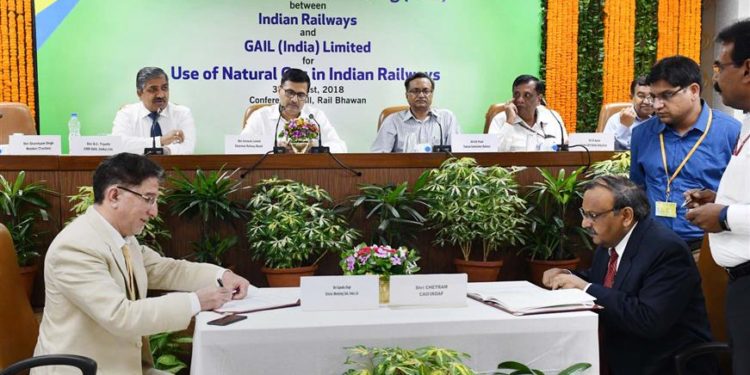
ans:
x=666 y=209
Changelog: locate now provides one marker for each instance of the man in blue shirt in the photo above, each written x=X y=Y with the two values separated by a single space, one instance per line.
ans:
x=685 y=146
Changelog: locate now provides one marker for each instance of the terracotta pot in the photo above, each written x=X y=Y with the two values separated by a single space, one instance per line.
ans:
x=287 y=277
x=28 y=274
x=479 y=271
x=537 y=267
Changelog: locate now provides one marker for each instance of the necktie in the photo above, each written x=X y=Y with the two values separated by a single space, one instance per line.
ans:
x=155 y=128
x=131 y=275
x=609 y=278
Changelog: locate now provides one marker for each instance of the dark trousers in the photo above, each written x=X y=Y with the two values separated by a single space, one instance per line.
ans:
x=738 y=323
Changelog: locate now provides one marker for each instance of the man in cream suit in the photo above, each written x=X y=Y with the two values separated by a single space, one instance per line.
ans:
x=97 y=276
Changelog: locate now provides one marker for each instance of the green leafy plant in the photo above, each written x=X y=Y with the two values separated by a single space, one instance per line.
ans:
x=396 y=361
x=550 y=199
x=22 y=204
x=153 y=234
x=472 y=203
x=290 y=225
x=393 y=210
x=207 y=196
x=618 y=164
x=166 y=348
x=517 y=368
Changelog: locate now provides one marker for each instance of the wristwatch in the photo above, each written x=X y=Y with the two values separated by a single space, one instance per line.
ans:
x=723 y=218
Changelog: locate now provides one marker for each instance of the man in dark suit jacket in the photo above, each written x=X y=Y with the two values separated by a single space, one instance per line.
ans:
x=644 y=277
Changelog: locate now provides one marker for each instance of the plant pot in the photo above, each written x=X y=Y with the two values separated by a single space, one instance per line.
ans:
x=28 y=274
x=287 y=277
x=299 y=147
x=479 y=271
x=537 y=267
x=384 y=292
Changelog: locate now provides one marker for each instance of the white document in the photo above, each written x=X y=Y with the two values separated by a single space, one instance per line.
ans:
x=254 y=301
x=592 y=141
x=34 y=145
x=243 y=145
x=95 y=145
x=339 y=292
x=428 y=290
x=523 y=297
x=475 y=143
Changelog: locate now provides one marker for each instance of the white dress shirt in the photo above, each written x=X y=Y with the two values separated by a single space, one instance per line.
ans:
x=400 y=126
x=133 y=124
x=622 y=133
x=262 y=123
x=732 y=248
x=519 y=136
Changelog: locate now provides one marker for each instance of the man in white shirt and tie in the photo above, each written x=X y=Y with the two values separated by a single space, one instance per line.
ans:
x=154 y=121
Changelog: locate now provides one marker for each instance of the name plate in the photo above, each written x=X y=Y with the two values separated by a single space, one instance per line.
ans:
x=429 y=290
x=592 y=141
x=34 y=145
x=321 y=293
x=474 y=142
x=95 y=145
x=239 y=145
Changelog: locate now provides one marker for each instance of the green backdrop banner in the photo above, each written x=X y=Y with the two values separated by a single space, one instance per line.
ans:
x=224 y=55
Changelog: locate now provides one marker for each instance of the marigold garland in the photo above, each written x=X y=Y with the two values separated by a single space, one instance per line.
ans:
x=17 y=53
x=679 y=28
x=619 y=49
x=562 y=59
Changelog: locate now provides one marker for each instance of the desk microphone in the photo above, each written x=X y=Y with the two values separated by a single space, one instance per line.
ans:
x=562 y=146
x=276 y=148
x=319 y=149
x=441 y=147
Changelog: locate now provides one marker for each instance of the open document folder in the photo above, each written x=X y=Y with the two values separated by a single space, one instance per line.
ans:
x=255 y=302
x=524 y=298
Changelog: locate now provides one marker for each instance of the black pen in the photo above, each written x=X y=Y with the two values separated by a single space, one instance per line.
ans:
x=221 y=284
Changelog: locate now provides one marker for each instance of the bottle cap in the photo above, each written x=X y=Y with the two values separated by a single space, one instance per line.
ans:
x=74 y=114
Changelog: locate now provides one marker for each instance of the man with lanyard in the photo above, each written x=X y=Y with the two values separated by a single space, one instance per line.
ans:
x=685 y=146
x=726 y=213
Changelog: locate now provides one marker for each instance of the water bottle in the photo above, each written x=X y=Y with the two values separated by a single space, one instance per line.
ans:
x=74 y=126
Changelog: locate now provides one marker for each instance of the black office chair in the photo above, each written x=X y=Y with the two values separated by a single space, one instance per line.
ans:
x=85 y=364
x=681 y=360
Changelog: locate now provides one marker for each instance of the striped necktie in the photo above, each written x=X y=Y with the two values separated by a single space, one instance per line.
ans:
x=609 y=278
x=155 y=127
x=131 y=275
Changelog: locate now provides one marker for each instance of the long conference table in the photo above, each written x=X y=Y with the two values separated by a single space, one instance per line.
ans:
x=293 y=341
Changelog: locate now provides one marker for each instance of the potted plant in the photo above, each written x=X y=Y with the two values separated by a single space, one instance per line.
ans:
x=517 y=368
x=22 y=204
x=547 y=234
x=291 y=229
x=380 y=260
x=472 y=204
x=397 y=361
x=618 y=164
x=207 y=196
x=299 y=132
x=166 y=350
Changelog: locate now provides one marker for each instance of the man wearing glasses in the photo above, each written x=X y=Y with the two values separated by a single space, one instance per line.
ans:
x=526 y=124
x=644 y=277
x=685 y=146
x=293 y=90
x=622 y=123
x=420 y=125
x=97 y=277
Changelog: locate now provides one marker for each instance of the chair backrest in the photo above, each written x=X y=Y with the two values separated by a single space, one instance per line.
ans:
x=388 y=111
x=15 y=118
x=18 y=325
x=249 y=111
x=491 y=113
x=85 y=364
x=607 y=111
x=714 y=281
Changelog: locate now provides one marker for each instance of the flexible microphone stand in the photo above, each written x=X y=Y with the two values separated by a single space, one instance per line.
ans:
x=320 y=149
x=276 y=148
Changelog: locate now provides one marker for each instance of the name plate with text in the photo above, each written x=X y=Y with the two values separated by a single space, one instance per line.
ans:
x=240 y=145
x=474 y=142
x=95 y=145
x=429 y=290
x=320 y=293
x=34 y=145
x=592 y=141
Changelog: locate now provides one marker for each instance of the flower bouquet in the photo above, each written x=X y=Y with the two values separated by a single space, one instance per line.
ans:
x=379 y=260
x=299 y=132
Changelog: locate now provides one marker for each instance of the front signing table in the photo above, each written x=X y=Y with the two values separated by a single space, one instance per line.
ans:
x=293 y=341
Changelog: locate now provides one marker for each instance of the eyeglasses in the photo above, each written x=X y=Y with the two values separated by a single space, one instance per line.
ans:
x=664 y=96
x=594 y=215
x=149 y=199
x=416 y=92
x=301 y=96
x=718 y=67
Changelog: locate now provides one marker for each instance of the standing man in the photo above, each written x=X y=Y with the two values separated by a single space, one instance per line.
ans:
x=97 y=276
x=622 y=123
x=526 y=124
x=154 y=121
x=420 y=124
x=685 y=146
x=644 y=277
x=293 y=90
x=726 y=213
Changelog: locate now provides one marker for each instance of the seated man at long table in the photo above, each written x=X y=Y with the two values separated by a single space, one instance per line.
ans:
x=646 y=280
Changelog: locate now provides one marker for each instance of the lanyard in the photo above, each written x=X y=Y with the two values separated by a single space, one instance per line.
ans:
x=740 y=145
x=687 y=157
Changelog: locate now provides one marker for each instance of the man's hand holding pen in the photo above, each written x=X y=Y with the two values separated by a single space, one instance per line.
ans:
x=702 y=212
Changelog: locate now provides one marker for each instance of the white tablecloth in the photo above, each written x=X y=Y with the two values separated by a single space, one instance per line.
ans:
x=292 y=341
